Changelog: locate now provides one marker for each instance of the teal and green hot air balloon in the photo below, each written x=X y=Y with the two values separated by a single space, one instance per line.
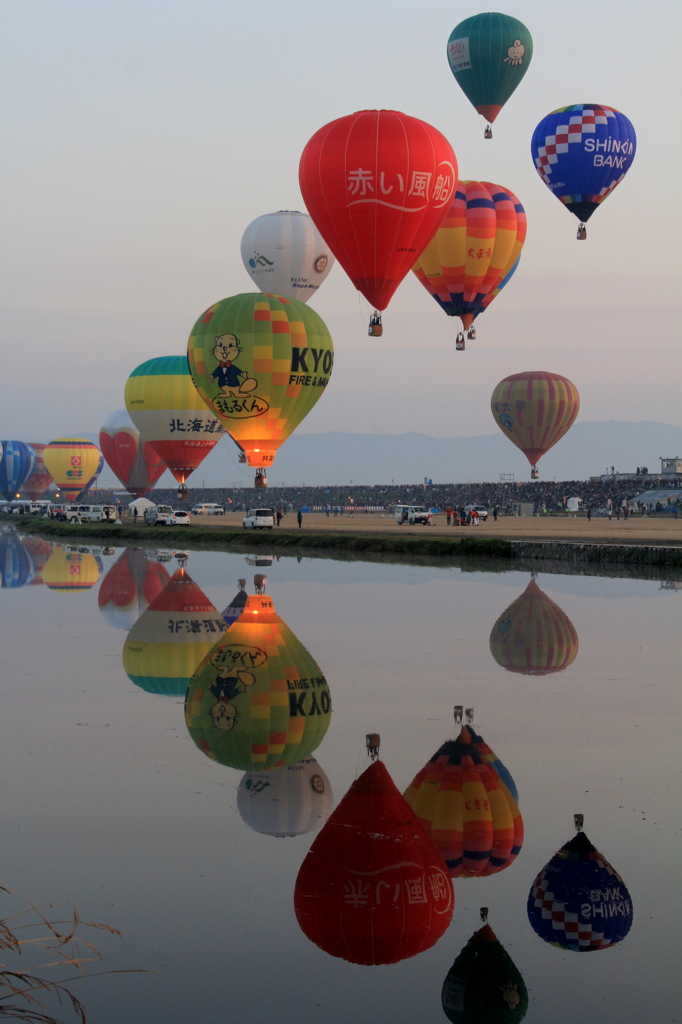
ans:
x=489 y=54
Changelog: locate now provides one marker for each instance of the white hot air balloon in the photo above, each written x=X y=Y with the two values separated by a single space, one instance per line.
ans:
x=286 y=801
x=285 y=254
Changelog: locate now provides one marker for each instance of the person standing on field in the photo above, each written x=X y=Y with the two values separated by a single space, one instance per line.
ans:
x=299 y=518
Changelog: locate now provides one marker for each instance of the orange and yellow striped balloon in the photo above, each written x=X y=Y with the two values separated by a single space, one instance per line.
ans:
x=534 y=636
x=535 y=409
x=475 y=251
x=467 y=809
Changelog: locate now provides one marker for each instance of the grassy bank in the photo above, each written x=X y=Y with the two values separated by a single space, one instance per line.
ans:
x=290 y=540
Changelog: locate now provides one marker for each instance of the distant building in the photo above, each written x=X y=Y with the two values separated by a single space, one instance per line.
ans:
x=671 y=465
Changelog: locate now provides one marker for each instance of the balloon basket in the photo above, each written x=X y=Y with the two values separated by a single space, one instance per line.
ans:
x=460 y=343
x=488 y=133
x=261 y=479
x=535 y=473
x=375 y=329
x=581 y=233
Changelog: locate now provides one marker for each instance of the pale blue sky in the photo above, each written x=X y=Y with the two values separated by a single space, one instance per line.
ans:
x=141 y=137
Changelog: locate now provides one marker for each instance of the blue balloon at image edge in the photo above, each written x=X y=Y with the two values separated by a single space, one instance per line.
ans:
x=578 y=901
x=582 y=153
x=18 y=462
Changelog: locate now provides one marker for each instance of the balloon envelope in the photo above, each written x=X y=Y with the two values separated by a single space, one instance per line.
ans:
x=134 y=460
x=378 y=184
x=168 y=641
x=489 y=54
x=475 y=251
x=484 y=985
x=260 y=362
x=578 y=901
x=373 y=889
x=467 y=809
x=534 y=410
x=170 y=414
x=236 y=606
x=129 y=587
x=582 y=153
x=16 y=466
x=39 y=480
x=72 y=462
x=533 y=636
x=287 y=801
x=69 y=571
x=284 y=253
x=258 y=700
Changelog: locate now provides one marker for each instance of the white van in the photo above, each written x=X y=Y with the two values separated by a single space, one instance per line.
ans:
x=73 y=513
x=157 y=514
x=259 y=519
x=412 y=514
x=100 y=514
x=208 y=509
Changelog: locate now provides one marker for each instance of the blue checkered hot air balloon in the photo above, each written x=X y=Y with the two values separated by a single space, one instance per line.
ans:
x=578 y=901
x=18 y=462
x=17 y=567
x=581 y=153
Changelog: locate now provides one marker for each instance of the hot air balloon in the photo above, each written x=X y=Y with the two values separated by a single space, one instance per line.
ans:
x=169 y=640
x=72 y=462
x=129 y=587
x=39 y=480
x=533 y=636
x=287 y=801
x=283 y=253
x=260 y=362
x=475 y=251
x=18 y=462
x=467 y=808
x=578 y=901
x=168 y=411
x=236 y=605
x=378 y=184
x=258 y=700
x=93 y=479
x=373 y=889
x=535 y=409
x=581 y=153
x=489 y=54
x=17 y=567
x=70 y=571
x=134 y=460
x=484 y=985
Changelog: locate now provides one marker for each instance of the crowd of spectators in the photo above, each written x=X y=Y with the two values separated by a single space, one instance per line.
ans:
x=549 y=496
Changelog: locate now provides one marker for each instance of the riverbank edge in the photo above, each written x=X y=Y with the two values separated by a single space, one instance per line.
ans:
x=354 y=545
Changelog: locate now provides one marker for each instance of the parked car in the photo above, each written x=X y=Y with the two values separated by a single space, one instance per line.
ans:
x=157 y=514
x=481 y=509
x=177 y=518
x=412 y=514
x=259 y=519
x=72 y=513
x=207 y=509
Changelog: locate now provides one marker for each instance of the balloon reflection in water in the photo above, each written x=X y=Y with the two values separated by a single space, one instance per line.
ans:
x=258 y=700
x=286 y=801
x=129 y=587
x=39 y=550
x=578 y=901
x=17 y=567
x=236 y=605
x=168 y=641
x=68 y=571
x=373 y=889
x=467 y=807
x=534 y=636
x=484 y=985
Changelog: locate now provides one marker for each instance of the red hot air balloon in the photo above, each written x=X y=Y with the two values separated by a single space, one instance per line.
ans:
x=373 y=888
x=137 y=465
x=378 y=184
x=40 y=479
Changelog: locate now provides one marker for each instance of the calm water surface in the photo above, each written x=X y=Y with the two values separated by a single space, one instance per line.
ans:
x=108 y=802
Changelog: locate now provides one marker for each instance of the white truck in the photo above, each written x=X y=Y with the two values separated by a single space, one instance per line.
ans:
x=412 y=514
